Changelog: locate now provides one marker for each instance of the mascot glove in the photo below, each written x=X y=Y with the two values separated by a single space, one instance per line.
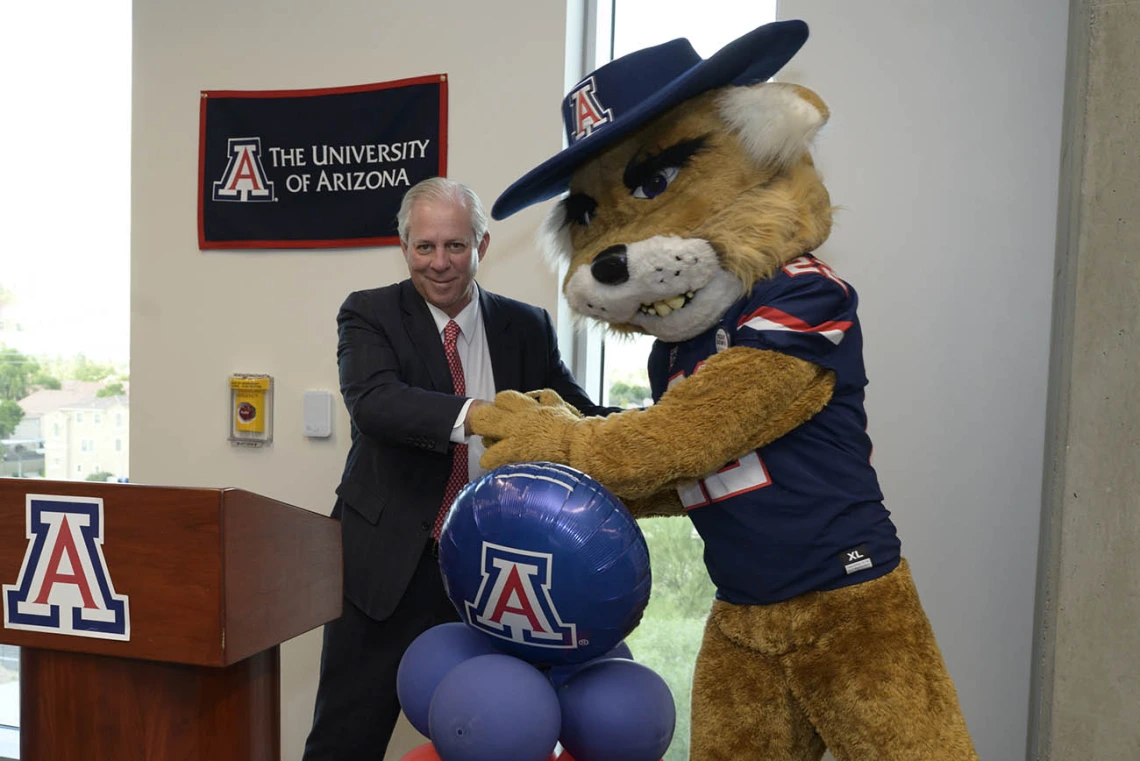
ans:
x=548 y=397
x=519 y=427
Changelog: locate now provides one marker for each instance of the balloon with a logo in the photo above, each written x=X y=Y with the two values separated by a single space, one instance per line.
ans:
x=547 y=561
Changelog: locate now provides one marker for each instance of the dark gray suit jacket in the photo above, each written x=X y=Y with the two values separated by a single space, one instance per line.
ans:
x=397 y=387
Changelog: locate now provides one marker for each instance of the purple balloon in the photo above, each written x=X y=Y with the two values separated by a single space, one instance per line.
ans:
x=428 y=660
x=617 y=709
x=494 y=708
x=559 y=674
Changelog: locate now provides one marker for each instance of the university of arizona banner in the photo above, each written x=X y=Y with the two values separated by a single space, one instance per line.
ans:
x=321 y=168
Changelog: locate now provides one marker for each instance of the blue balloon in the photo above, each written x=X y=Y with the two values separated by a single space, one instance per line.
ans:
x=428 y=660
x=547 y=560
x=559 y=674
x=494 y=708
x=617 y=710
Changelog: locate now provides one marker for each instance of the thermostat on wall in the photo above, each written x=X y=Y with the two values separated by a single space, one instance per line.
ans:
x=317 y=413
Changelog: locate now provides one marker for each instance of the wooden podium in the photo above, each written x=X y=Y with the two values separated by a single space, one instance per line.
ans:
x=173 y=650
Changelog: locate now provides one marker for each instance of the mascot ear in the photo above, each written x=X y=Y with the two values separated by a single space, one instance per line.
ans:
x=775 y=121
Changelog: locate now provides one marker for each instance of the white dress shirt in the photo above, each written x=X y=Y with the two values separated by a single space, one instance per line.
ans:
x=477 y=373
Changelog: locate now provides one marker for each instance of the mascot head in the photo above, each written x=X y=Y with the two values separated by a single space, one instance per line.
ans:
x=686 y=181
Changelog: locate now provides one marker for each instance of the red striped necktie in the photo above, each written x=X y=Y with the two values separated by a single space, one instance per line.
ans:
x=458 y=476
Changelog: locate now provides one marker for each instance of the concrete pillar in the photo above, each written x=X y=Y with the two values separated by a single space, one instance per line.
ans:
x=1086 y=691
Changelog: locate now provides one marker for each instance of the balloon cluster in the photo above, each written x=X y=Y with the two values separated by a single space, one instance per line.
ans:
x=476 y=703
x=549 y=572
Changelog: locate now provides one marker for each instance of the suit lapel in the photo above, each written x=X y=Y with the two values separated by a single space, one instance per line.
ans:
x=425 y=337
x=502 y=342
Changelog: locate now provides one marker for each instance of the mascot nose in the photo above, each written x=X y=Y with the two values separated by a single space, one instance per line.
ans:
x=610 y=266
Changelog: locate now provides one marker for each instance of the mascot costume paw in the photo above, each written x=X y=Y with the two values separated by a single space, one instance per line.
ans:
x=692 y=211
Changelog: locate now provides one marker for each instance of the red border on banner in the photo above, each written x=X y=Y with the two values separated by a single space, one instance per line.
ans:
x=203 y=244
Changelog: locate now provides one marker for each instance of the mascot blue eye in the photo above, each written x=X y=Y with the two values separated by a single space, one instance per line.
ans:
x=656 y=183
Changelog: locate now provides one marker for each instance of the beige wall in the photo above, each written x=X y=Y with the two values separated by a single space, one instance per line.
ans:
x=195 y=318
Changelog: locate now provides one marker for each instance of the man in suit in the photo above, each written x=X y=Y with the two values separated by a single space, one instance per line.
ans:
x=414 y=357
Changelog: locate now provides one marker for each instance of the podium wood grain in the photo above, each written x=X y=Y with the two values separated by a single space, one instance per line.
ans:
x=83 y=707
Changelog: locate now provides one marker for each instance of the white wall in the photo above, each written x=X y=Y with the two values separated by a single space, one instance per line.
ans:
x=944 y=151
x=197 y=317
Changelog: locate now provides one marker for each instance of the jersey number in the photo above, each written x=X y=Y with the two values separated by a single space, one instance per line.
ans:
x=737 y=477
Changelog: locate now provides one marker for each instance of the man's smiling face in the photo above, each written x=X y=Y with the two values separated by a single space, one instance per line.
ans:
x=442 y=253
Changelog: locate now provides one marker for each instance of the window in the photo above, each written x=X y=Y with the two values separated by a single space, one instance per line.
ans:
x=670 y=633
x=118 y=445
x=72 y=284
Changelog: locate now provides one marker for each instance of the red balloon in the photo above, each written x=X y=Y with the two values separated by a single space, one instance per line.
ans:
x=565 y=756
x=425 y=752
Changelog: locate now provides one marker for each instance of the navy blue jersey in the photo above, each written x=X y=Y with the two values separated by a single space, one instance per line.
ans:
x=805 y=512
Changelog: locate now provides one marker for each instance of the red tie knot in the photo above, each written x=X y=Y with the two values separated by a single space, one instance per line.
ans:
x=451 y=333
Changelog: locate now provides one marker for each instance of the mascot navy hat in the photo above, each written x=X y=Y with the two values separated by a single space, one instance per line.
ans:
x=629 y=91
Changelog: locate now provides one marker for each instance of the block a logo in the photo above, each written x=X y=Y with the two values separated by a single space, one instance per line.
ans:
x=244 y=178
x=64 y=586
x=513 y=601
x=588 y=112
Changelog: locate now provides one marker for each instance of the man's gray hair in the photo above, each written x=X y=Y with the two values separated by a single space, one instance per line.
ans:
x=446 y=190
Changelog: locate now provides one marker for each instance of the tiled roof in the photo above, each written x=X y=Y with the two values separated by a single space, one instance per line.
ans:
x=100 y=403
x=46 y=400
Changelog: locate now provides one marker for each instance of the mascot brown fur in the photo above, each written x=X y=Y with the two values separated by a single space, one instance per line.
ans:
x=695 y=220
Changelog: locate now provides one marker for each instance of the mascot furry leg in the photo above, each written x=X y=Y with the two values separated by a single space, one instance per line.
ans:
x=855 y=670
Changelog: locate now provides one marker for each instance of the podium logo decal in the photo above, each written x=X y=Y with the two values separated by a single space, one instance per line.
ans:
x=64 y=585
x=513 y=601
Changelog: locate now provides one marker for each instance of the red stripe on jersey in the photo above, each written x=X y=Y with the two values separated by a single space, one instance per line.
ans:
x=794 y=323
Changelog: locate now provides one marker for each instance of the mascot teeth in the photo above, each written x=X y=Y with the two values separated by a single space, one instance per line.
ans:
x=666 y=306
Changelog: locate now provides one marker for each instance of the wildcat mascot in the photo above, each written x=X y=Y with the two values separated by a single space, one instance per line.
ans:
x=691 y=212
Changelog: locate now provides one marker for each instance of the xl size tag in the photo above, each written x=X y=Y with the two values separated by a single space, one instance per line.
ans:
x=855 y=559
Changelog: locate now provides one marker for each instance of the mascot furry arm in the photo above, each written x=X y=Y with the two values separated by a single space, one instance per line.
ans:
x=742 y=398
